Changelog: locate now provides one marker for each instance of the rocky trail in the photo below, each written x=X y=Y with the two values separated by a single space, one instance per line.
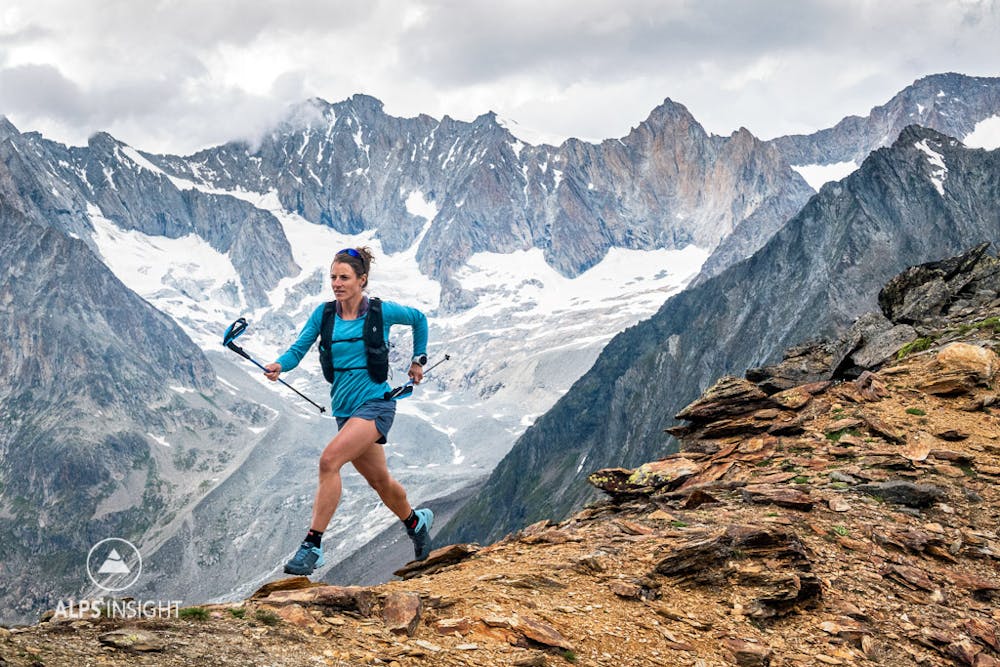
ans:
x=841 y=507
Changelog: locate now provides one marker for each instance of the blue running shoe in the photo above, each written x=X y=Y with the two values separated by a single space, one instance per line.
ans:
x=305 y=560
x=421 y=533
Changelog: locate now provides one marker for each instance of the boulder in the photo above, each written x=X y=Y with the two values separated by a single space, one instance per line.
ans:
x=864 y=329
x=132 y=640
x=401 y=612
x=729 y=397
x=904 y=493
x=747 y=654
x=883 y=346
x=802 y=364
x=925 y=291
x=960 y=368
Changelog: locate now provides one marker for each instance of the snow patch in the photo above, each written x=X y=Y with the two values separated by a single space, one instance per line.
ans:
x=529 y=135
x=631 y=278
x=187 y=278
x=417 y=204
x=986 y=134
x=159 y=439
x=817 y=175
x=939 y=170
x=134 y=155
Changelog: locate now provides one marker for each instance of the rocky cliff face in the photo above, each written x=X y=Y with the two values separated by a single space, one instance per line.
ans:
x=818 y=273
x=354 y=168
x=845 y=522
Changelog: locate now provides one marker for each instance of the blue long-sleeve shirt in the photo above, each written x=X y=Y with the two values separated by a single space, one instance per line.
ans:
x=352 y=388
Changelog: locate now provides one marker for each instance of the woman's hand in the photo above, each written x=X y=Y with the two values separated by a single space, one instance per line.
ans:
x=272 y=371
x=416 y=373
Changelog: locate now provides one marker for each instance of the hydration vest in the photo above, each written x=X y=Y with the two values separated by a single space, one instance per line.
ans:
x=376 y=350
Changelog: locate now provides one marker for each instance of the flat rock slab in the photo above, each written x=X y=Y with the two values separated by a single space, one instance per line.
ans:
x=747 y=654
x=287 y=584
x=904 y=493
x=775 y=495
x=132 y=640
x=728 y=397
x=793 y=399
x=437 y=560
x=541 y=632
x=665 y=473
x=354 y=598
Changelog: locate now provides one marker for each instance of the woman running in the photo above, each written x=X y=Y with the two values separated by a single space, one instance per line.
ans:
x=357 y=359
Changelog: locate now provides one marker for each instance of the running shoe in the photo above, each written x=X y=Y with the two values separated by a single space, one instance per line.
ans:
x=421 y=533
x=305 y=560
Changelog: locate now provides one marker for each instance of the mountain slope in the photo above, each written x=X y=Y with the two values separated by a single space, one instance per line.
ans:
x=110 y=414
x=813 y=277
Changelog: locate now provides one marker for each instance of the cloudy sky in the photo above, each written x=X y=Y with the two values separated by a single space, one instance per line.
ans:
x=178 y=75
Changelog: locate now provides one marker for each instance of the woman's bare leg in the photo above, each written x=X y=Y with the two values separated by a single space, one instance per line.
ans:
x=356 y=438
x=372 y=466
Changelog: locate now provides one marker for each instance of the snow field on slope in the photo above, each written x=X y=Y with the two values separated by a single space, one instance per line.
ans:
x=185 y=277
x=817 y=175
x=986 y=134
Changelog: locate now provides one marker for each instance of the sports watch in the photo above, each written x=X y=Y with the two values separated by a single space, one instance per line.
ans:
x=419 y=359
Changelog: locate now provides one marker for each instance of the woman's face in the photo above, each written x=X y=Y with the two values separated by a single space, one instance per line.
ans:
x=346 y=283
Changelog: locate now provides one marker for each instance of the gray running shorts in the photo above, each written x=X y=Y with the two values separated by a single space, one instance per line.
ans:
x=377 y=410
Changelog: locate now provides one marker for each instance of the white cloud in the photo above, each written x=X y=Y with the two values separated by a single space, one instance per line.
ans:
x=178 y=76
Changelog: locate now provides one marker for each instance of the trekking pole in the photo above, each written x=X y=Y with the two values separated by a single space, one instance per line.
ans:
x=234 y=331
x=407 y=389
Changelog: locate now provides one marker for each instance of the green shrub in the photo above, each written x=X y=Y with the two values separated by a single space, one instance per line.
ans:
x=915 y=411
x=237 y=612
x=194 y=613
x=918 y=345
x=267 y=617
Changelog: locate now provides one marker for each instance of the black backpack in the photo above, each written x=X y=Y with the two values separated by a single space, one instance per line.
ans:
x=376 y=350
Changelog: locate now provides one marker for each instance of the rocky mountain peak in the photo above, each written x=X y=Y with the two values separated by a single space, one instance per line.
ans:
x=314 y=113
x=7 y=128
x=669 y=110
x=911 y=134
x=669 y=118
x=103 y=143
x=365 y=106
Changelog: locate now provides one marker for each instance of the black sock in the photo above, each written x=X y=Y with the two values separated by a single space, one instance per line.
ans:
x=314 y=537
x=411 y=521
